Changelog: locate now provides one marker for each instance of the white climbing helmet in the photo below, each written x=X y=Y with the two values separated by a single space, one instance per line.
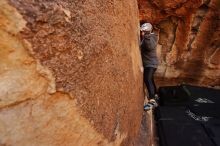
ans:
x=146 y=27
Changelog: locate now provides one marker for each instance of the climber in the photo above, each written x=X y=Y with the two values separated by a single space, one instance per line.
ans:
x=150 y=62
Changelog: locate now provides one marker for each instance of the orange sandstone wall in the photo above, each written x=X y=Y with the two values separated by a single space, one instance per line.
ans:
x=70 y=73
x=189 y=43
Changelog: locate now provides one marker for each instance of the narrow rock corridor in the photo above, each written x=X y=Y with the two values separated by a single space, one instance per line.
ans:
x=71 y=72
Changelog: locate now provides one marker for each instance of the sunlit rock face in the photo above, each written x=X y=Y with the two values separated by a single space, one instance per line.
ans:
x=70 y=73
x=189 y=39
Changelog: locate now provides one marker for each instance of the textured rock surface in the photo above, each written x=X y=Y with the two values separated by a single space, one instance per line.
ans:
x=70 y=73
x=189 y=44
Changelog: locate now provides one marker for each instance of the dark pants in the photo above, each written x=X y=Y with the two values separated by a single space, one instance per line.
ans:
x=149 y=81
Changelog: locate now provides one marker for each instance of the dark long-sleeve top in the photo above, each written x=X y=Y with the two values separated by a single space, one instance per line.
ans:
x=148 y=50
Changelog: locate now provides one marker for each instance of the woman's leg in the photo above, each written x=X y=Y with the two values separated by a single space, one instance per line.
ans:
x=155 y=87
x=148 y=79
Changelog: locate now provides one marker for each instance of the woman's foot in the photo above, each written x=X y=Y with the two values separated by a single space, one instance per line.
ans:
x=150 y=105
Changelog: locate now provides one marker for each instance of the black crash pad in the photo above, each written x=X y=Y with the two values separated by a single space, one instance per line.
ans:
x=188 y=116
x=175 y=133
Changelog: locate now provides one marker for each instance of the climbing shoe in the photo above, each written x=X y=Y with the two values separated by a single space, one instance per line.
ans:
x=150 y=105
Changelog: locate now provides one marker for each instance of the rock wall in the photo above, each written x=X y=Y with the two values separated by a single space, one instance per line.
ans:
x=189 y=39
x=70 y=73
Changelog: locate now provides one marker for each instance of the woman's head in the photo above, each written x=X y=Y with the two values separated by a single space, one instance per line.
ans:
x=146 y=28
